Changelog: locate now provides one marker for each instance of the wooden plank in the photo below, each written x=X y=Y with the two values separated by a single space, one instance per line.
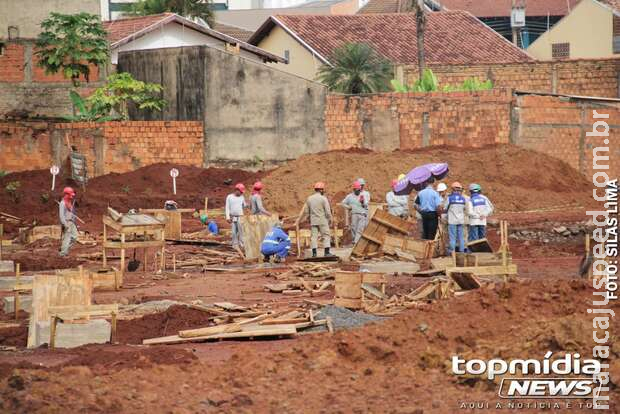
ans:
x=441 y=263
x=64 y=309
x=481 y=245
x=57 y=290
x=133 y=244
x=278 y=321
x=373 y=291
x=253 y=229
x=172 y=220
x=430 y=272
x=230 y=306
x=210 y=330
x=163 y=210
x=485 y=270
x=320 y=259
x=255 y=331
x=465 y=281
x=423 y=292
x=389 y=224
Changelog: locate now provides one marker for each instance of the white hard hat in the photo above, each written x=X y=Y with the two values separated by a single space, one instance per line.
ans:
x=442 y=187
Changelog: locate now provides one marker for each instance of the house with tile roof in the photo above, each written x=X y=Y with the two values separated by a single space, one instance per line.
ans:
x=171 y=30
x=590 y=30
x=454 y=37
x=540 y=15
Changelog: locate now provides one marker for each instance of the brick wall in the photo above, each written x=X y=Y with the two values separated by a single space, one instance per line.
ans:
x=109 y=147
x=419 y=119
x=559 y=128
x=26 y=89
x=575 y=77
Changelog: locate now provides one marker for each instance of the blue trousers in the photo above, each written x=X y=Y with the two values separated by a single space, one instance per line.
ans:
x=477 y=232
x=281 y=249
x=455 y=232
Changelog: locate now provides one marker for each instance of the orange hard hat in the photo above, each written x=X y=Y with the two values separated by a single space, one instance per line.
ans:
x=69 y=191
x=357 y=185
x=394 y=182
x=319 y=186
x=457 y=186
x=258 y=185
x=240 y=187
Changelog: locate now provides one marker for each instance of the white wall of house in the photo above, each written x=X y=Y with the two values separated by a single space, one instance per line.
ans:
x=174 y=35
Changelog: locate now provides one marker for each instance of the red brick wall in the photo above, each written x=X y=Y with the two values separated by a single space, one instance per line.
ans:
x=39 y=75
x=109 y=147
x=559 y=128
x=456 y=118
x=12 y=63
x=575 y=77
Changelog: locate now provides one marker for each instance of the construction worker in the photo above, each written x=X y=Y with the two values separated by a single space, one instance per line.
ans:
x=442 y=189
x=256 y=200
x=358 y=205
x=364 y=192
x=479 y=207
x=397 y=205
x=276 y=243
x=67 y=216
x=235 y=203
x=428 y=204
x=320 y=214
x=455 y=206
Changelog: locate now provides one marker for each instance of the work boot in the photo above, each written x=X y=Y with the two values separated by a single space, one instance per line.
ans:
x=313 y=252
x=327 y=253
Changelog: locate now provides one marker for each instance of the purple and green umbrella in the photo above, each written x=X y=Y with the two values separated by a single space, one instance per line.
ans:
x=416 y=179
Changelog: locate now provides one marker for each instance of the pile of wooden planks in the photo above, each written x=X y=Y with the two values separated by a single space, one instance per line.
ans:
x=306 y=270
x=373 y=237
x=206 y=257
x=237 y=322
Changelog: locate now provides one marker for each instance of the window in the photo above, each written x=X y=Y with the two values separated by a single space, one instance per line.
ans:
x=560 y=50
x=287 y=55
x=616 y=31
x=2 y=47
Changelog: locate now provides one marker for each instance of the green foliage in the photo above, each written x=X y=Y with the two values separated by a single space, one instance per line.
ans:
x=45 y=197
x=187 y=8
x=429 y=83
x=3 y=173
x=69 y=43
x=356 y=69
x=121 y=89
x=13 y=189
x=111 y=101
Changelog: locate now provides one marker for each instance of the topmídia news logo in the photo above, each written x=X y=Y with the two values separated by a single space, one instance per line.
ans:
x=567 y=377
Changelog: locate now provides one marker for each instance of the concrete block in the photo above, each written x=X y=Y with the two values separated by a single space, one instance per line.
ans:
x=390 y=267
x=7 y=266
x=8 y=282
x=70 y=335
x=25 y=303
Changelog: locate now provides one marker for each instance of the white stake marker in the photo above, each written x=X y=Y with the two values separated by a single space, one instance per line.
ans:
x=54 y=170
x=174 y=173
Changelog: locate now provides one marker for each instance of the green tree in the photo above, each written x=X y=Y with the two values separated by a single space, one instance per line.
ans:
x=70 y=43
x=112 y=100
x=187 y=8
x=356 y=68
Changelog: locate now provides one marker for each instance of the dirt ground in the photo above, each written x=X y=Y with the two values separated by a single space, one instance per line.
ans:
x=399 y=365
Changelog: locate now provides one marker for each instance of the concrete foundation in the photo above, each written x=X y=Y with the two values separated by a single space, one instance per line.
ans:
x=8 y=282
x=25 y=303
x=70 y=335
x=390 y=267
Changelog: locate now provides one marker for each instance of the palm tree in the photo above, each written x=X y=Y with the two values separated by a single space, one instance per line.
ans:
x=356 y=68
x=188 y=8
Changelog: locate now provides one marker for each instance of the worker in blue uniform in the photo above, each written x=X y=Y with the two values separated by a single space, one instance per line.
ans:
x=276 y=243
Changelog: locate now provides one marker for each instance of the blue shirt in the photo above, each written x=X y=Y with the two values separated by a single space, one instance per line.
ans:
x=275 y=241
x=429 y=200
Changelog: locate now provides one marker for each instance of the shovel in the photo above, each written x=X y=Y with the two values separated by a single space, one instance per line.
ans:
x=133 y=265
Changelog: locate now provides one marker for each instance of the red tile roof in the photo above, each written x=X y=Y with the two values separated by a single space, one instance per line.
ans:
x=614 y=4
x=502 y=8
x=122 y=31
x=233 y=31
x=382 y=6
x=123 y=28
x=454 y=37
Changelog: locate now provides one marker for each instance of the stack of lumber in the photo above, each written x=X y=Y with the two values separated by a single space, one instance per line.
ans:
x=235 y=322
x=436 y=289
x=293 y=287
x=304 y=270
x=206 y=257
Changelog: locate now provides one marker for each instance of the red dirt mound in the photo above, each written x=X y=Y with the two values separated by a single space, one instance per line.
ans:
x=515 y=179
x=147 y=187
x=175 y=318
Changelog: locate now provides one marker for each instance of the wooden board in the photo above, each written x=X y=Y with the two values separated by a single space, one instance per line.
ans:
x=420 y=249
x=173 y=223
x=510 y=269
x=380 y=224
x=465 y=281
x=441 y=263
x=57 y=290
x=32 y=234
x=252 y=331
x=333 y=258
x=481 y=245
x=230 y=306
x=106 y=279
x=253 y=229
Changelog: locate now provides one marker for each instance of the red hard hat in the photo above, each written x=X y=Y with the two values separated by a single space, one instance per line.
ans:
x=258 y=185
x=68 y=190
x=394 y=182
x=357 y=185
x=319 y=186
x=240 y=187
